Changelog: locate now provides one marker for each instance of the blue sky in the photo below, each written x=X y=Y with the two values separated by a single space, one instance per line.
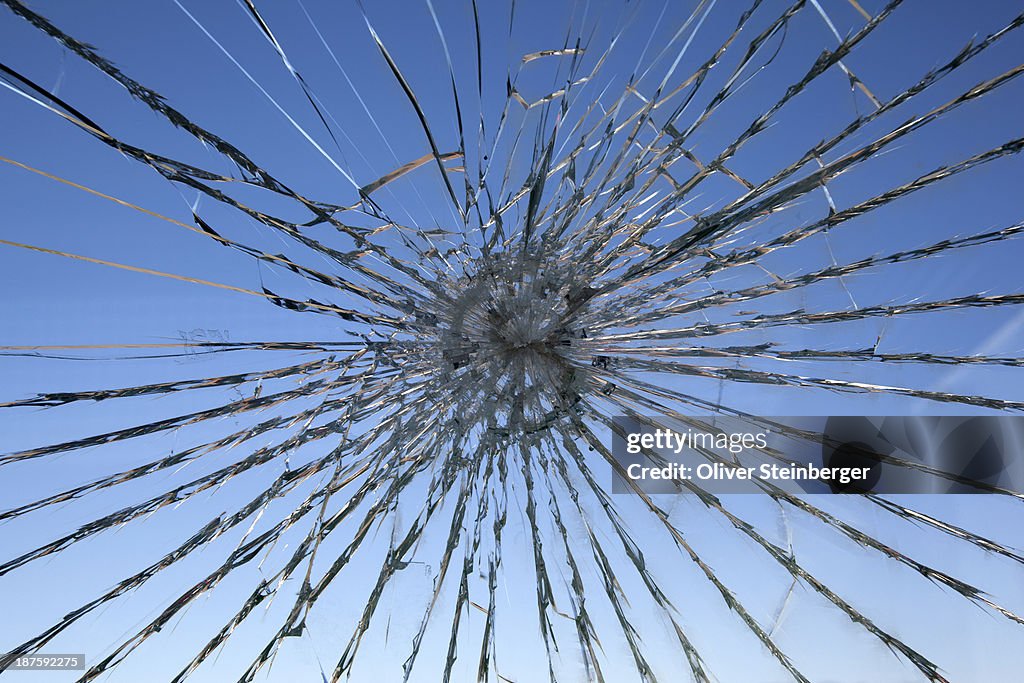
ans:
x=53 y=300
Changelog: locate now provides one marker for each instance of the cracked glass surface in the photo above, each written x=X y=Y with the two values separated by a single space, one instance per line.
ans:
x=317 y=315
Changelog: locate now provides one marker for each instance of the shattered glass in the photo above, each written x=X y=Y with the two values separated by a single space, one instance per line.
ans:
x=317 y=315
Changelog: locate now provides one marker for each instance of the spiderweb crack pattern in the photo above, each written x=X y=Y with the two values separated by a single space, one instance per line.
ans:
x=604 y=226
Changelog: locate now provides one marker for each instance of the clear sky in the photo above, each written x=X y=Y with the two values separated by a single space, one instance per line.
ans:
x=210 y=61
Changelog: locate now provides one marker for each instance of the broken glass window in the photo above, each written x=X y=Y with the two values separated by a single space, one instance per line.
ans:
x=316 y=317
